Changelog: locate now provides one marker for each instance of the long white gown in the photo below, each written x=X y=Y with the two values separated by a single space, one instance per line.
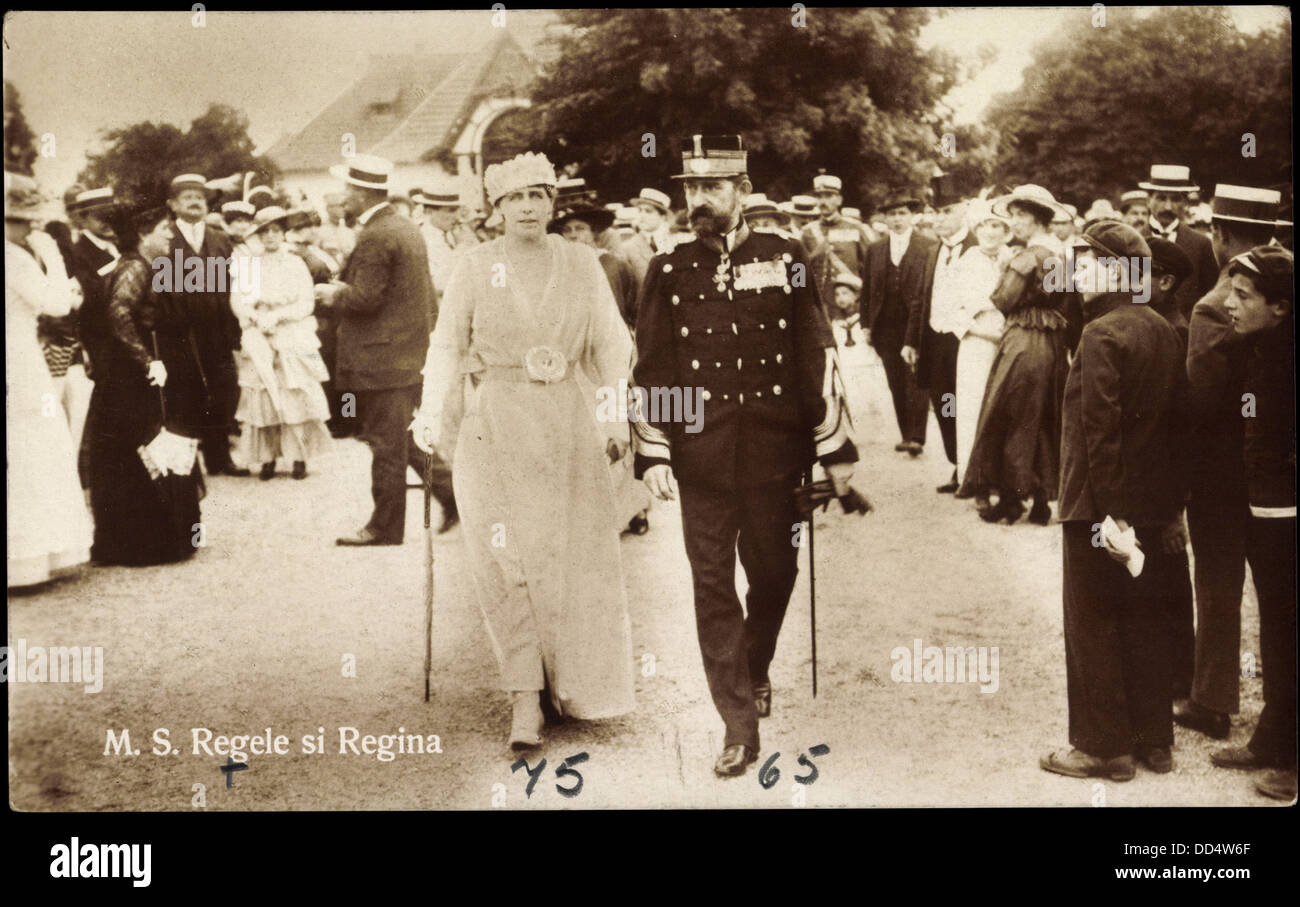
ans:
x=977 y=277
x=532 y=479
x=49 y=528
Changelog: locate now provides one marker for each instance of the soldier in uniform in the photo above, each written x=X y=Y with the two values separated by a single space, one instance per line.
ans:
x=834 y=242
x=722 y=324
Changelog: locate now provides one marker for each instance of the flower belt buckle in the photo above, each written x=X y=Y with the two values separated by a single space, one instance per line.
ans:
x=545 y=364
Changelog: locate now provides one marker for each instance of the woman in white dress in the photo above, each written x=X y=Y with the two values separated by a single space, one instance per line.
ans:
x=522 y=315
x=282 y=407
x=49 y=528
x=981 y=323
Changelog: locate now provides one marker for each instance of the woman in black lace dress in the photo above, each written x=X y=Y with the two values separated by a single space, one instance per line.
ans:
x=139 y=520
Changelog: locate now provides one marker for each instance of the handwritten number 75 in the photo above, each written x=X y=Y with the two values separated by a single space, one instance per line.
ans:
x=562 y=771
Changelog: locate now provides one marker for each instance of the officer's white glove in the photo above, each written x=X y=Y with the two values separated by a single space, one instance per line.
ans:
x=839 y=474
x=157 y=373
x=424 y=431
x=659 y=479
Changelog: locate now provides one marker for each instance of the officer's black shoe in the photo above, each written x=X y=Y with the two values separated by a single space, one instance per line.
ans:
x=1156 y=758
x=300 y=469
x=763 y=699
x=1040 y=513
x=915 y=448
x=949 y=487
x=901 y=446
x=268 y=471
x=734 y=760
x=450 y=519
x=1207 y=721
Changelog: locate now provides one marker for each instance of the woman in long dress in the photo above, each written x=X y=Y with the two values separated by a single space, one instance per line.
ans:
x=981 y=324
x=48 y=528
x=1017 y=443
x=282 y=406
x=136 y=347
x=523 y=313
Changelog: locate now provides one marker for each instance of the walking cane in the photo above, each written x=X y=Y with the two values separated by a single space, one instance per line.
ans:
x=812 y=590
x=428 y=572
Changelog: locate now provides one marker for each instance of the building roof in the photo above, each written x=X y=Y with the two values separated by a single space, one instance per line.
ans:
x=408 y=107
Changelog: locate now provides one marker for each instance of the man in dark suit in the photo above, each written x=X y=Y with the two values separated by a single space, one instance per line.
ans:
x=1218 y=509
x=721 y=319
x=1170 y=186
x=895 y=283
x=930 y=345
x=1119 y=460
x=216 y=330
x=385 y=304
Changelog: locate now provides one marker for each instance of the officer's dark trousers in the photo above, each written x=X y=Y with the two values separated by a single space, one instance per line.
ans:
x=737 y=648
x=941 y=358
x=1271 y=549
x=385 y=418
x=1217 y=526
x=1117 y=667
x=911 y=405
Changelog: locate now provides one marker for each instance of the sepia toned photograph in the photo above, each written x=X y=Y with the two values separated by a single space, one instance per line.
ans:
x=637 y=409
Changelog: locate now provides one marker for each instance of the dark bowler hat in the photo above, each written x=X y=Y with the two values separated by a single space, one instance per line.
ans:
x=713 y=157
x=1116 y=240
x=900 y=198
x=576 y=202
x=1167 y=258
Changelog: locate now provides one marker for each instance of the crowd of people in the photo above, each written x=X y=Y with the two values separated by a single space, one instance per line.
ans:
x=1133 y=364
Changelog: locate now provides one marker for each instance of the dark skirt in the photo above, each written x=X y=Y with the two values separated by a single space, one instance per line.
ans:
x=139 y=521
x=1017 y=442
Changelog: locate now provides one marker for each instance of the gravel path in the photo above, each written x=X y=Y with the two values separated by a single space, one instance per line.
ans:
x=259 y=629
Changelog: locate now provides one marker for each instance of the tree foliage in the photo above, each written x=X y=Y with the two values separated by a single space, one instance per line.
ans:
x=20 y=141
x=850 y=91
x=140 y=160
x=1181 y=86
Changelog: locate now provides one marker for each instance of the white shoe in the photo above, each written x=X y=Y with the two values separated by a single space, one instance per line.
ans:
x=526 y=722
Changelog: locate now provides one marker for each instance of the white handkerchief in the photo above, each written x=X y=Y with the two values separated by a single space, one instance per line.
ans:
x=1126 y=542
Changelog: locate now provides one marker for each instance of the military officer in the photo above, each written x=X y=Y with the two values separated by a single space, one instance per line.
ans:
x=834 y=242
x=724 y=320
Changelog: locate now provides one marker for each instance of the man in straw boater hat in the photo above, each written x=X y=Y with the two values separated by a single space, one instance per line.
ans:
x=653 y=229
x=91 y=260
x=214 y=326
x=441 y=205
x=1170 y=186
x=763 y=214
x=1120 y=482
x=720 y=315
x=1218 y=511
x=803 y=211
x=385 y=304
x=1135 y=210
x=894 y=276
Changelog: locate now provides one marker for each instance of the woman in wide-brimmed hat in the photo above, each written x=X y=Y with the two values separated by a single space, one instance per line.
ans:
x=282 y=407
x=1017 y=441
x=48 y=527
x=525 y=315
x=141 y=342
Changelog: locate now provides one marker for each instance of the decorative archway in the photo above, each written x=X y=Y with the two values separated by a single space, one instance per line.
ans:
x=469 y=146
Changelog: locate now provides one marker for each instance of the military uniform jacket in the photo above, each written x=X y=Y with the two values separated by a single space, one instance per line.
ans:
x=749 y=343
x=842 y=243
